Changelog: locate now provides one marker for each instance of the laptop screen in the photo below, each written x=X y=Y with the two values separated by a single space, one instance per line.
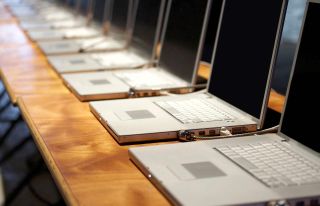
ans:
x=119 y=17
x=84 y=6
x=98 y=10
x=71 y=2
x=146 y=24
x=183 y=35
x=302 y=105
x=243 y=56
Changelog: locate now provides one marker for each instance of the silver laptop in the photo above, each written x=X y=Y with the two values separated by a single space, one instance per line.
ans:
x=41 y=11
x=140 y=51
x=178 y=63
x=116 y=38
x=55 y=17
x=273 y=169
x=237 y=93
x=90 y=30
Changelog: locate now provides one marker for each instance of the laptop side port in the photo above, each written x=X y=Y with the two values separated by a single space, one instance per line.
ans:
x=202 y=133
x=300 y=203
x=212 y=132
x=237 y=130
x=314 y=202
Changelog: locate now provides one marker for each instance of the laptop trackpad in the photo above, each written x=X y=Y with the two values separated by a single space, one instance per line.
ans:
x=196 y=170
x=99 y=81
x=134 y=114
x=62 y=45
x=77 y=61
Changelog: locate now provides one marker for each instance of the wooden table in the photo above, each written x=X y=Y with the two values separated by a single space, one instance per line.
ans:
x=24 y=69
x=88 y=165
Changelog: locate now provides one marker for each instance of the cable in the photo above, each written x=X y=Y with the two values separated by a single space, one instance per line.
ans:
x=85 y=48
x=187 y=135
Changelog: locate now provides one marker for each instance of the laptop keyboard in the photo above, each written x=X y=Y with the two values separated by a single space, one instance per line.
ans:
x=142 y=79
x=195 y=110
x=273 y=164
x=119 y=59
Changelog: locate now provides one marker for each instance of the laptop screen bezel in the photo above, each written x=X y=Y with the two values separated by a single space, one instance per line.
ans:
x=261 y=120
x=291 y=77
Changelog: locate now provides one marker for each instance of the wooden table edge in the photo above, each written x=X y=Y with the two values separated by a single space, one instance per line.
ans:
x=57 y=176
x=12 y=97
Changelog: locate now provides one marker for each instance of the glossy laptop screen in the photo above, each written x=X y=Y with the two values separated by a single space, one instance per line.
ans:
x=71 y=2
x=99 y=10
x=146 y=24
x=183 y=35
x=119 y=17
x=84 y=6
x=243 y=56
x=303 y=106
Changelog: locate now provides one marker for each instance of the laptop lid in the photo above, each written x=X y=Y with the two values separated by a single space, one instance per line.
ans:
x=146 y=28
x=183 y=36
x=120 y=16
x=84 y=6
x=72 y=3
x=245 y=53
x=302 y=107
x=100 y=11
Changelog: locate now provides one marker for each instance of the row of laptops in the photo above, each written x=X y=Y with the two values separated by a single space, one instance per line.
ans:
x=35 y=15
x=275 y=167
x=141 y=51
x=53 y=24
x=233 y=99
x=150 y=17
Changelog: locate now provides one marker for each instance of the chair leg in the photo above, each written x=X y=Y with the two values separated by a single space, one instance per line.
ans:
x=13 y=150
x=2 y=93
x=25 y=181
x=4 y=107
x=9 y=130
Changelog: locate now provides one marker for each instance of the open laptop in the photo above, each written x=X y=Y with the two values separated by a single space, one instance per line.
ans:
x=273 y=169
x=176 y=47
x=116 y=38
x=238 y=89
x=140 y=51
x=50 y=21
x=90 y=30
x=41 y=11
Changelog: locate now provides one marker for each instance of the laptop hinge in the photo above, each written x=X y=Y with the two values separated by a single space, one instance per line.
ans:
x=141 y=92
x=188 y=135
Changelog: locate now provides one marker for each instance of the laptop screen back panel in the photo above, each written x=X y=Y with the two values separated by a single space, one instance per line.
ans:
x=302 y=107
x=245 y=52
x=184 y=34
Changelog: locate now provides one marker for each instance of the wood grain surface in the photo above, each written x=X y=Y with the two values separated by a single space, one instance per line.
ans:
x=24 y=70
x=86 y=162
